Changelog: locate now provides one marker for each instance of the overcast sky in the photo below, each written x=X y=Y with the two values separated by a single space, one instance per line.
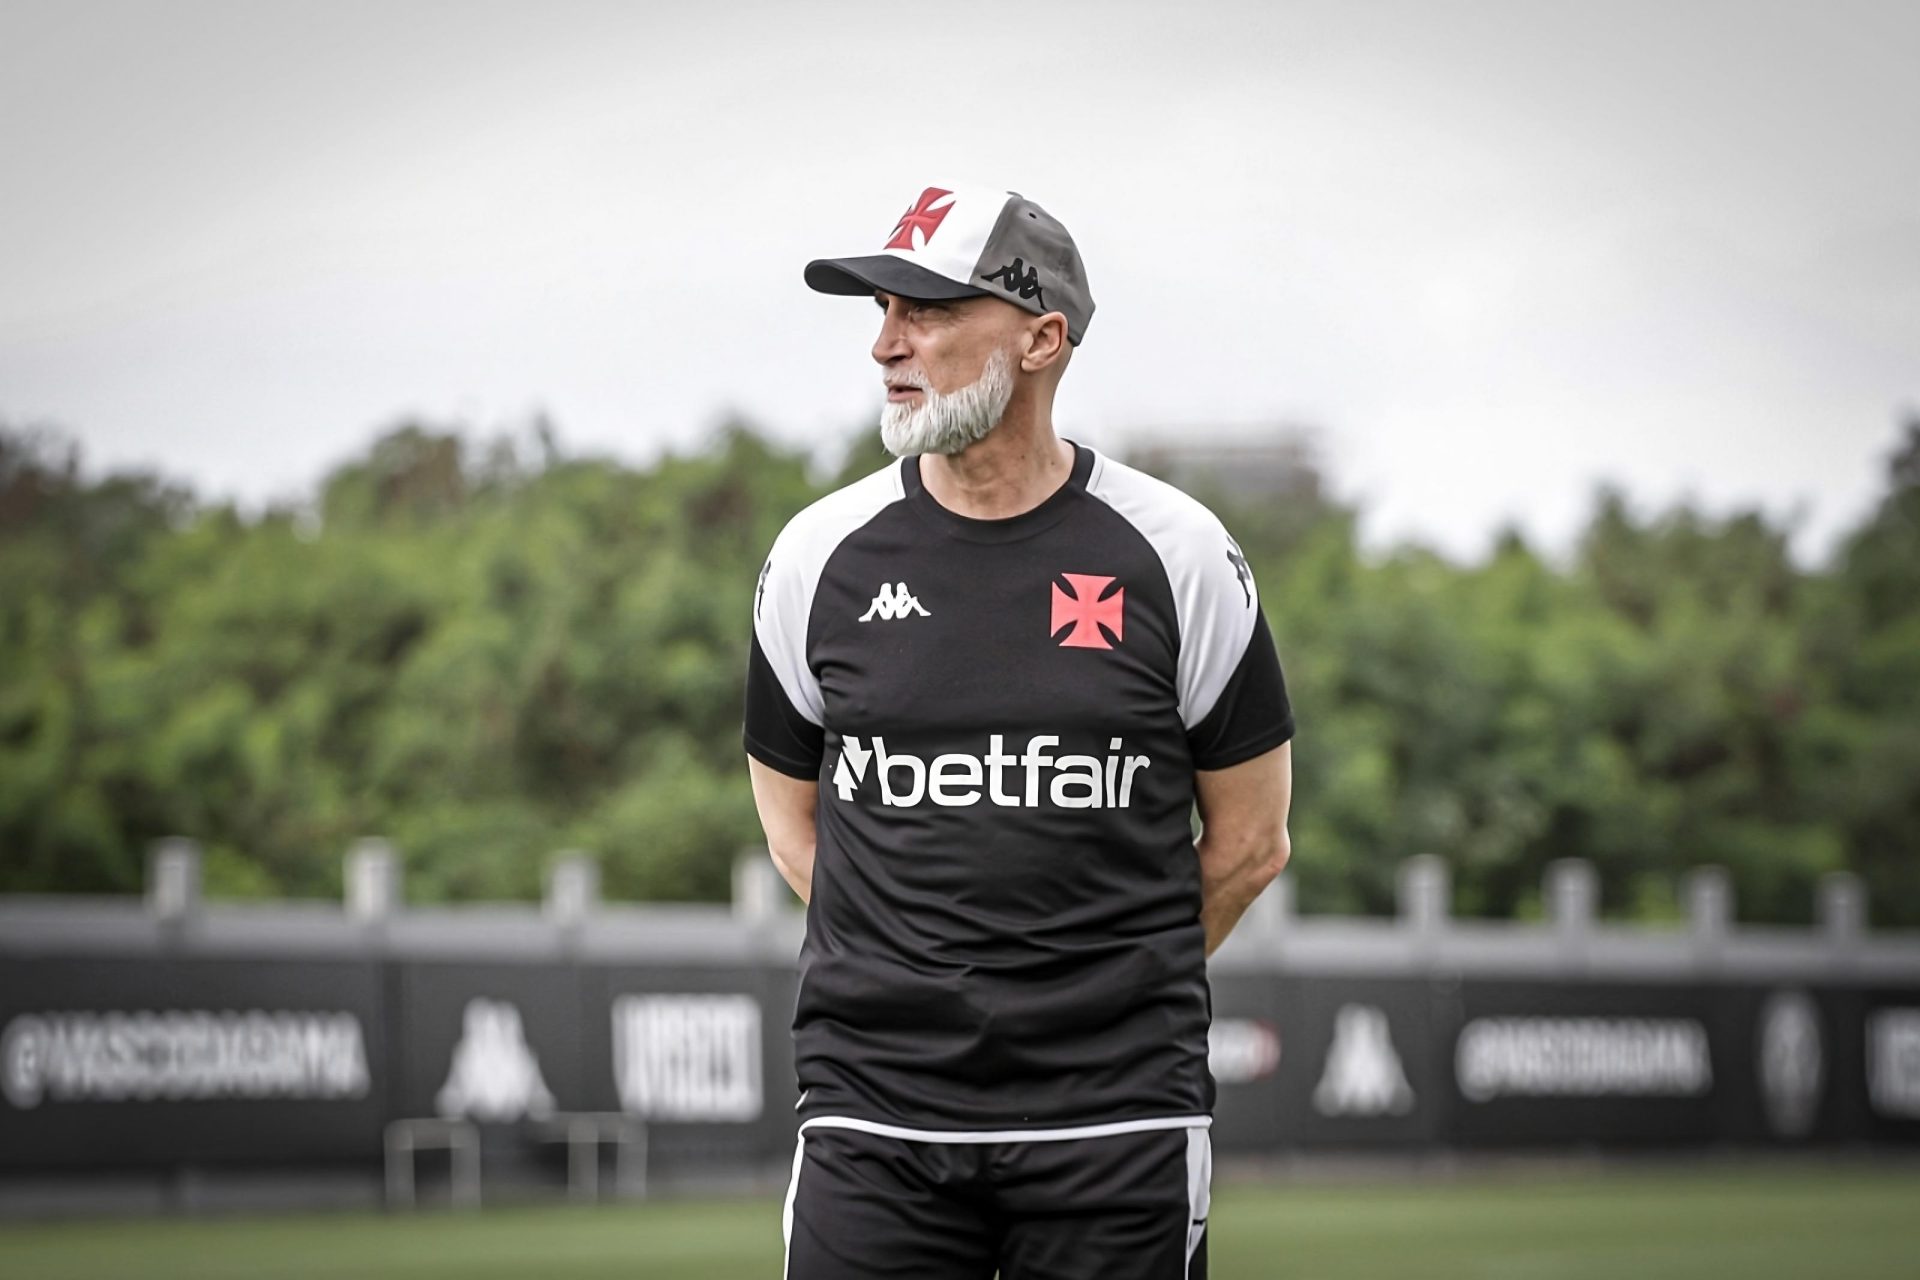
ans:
x=1491 y=253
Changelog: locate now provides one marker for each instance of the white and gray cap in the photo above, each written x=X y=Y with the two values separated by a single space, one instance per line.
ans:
x=970 y=243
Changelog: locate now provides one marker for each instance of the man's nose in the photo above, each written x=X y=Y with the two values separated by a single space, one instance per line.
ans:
x=892 y=344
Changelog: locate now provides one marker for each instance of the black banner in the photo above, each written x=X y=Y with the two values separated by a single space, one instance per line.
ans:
x=130 y=1063
x=1246 y=1051
x=1533 y=1063
x=1793 y=1071
x=138 y=1063
x=704 y=1055
x=1325 y=1062
x=1890 y=1064
x=492 y=1043
x=1359 y=1068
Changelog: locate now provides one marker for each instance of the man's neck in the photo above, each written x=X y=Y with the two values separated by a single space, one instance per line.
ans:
x=1015 y=468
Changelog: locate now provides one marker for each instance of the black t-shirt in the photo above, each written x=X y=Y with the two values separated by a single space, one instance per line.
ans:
x=1004 y=717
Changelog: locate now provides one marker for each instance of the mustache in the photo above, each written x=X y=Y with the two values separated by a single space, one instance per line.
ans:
x=910 y=378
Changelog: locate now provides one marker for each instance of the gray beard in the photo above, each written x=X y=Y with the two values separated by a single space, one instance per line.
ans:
x=949 y=423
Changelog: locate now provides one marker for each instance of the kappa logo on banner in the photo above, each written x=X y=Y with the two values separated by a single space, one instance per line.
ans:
x=1242 y=1050
x=924 y=217
x=894 y=601
x=688 y=1057
x=1087 y=612
x=1792 y=1066
x=1363 y=1075
x=495 y=1076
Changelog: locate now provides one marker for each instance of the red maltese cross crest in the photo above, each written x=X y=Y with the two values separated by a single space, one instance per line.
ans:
x=1087 y=611
x=922 y=217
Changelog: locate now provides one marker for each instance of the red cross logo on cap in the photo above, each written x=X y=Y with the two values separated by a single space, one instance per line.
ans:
x=922 y=217
x=1086 y=611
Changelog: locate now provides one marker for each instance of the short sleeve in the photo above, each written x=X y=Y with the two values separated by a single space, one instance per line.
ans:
x=1232 y=698
x=783 y=724
x=786 y=715
x=1252 y=714
x=776 y=733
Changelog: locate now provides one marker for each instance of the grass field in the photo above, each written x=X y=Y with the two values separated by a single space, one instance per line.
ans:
x=1760 y=1225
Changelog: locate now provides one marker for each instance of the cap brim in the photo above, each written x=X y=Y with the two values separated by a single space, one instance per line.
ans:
x=858 y=277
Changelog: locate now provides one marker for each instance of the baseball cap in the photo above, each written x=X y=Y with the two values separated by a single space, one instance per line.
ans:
x=970 y=243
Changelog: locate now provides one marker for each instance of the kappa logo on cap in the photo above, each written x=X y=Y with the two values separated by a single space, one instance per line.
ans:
x=1027 y=286
x=921 y=216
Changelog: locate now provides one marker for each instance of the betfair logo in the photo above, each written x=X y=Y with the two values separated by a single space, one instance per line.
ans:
x=894 y=601
x=958 y=779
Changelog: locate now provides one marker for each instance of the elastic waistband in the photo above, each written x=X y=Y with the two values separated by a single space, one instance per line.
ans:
x=1008 y=1135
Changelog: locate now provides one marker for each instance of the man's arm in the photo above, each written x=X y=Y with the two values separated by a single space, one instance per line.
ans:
x=1243 y=841
x=786 y=806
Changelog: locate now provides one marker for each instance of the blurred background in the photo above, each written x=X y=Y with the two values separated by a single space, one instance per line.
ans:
x=397 y=402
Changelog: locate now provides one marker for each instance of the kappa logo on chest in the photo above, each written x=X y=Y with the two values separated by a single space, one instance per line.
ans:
x=894 y=601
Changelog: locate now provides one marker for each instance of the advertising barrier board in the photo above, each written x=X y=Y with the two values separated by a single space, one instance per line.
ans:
x=133 y=1063
x=143 y=1063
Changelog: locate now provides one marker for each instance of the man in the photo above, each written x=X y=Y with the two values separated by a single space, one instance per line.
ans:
x=988 y=684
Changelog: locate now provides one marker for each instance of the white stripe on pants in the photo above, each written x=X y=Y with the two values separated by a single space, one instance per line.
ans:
x=786 y=1214
x=1199 y=1187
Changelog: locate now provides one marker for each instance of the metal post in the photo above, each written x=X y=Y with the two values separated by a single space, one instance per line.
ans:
x=1842 y=907
x=583 y=1158
x=759 y=892
x=372 y=880
x=461 y=1138
x=573 y=888
x=465 y=1140
x=1425 y=893
x=634 y=1134
x=173 y=879
x=1709 y=899
x=399 y=1171
x=1573 y=894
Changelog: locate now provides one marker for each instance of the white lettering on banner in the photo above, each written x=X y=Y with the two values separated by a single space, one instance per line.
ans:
x=688 y=1057
x=1893 y=1062
x=1242 y=1050
x=494 y=1075
x=181 y=1055
x=1363 y=1075
x=958 y=779
x=1582 y=1057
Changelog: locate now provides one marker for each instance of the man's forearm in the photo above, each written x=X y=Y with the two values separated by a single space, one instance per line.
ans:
x=1225 y=895
x=796 y=868
x=789 y=809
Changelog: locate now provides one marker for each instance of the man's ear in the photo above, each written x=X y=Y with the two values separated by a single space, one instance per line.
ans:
x=1047 y=341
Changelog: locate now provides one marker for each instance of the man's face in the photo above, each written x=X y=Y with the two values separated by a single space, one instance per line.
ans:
x=949 y=342
x=948 y=367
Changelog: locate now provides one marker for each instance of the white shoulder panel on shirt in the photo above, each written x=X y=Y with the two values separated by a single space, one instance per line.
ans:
x=1215 y=601
x=784 y=600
